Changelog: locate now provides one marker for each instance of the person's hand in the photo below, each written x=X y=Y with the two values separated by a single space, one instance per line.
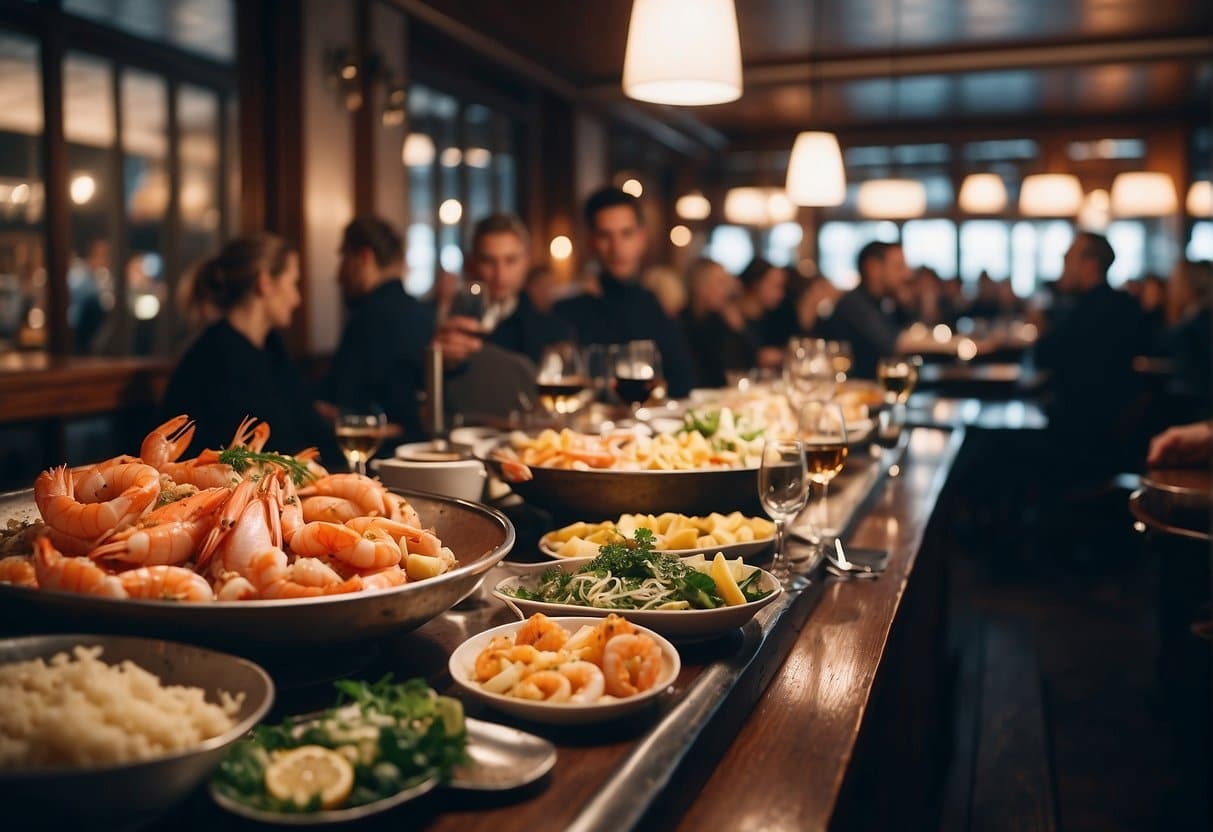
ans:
x=459 y=338
x=1182 y=446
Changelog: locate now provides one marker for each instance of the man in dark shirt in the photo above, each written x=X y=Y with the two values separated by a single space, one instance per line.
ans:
x=623 y=310
x=500 y=260
x=378 y=362
x=859 y=317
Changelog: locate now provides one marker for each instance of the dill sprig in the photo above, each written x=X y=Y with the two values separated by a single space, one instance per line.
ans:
x=240 y=458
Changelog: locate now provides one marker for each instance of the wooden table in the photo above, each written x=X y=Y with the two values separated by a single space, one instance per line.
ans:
x=763 y=727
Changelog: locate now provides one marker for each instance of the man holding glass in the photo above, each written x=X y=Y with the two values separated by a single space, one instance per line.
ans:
x=622 y=310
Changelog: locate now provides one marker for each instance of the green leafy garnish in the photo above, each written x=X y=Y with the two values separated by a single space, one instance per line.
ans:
x=241 y=459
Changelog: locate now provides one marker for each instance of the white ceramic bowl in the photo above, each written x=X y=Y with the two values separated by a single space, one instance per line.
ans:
x=559 y=713
x=460 y=478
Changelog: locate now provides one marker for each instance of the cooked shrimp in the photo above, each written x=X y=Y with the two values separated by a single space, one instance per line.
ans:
x=411 y=539
x=402 y=511
x=80 y=575
x=542 y=633
x=314 y=572
x=590 y=646
x=171 y=534
x=328 y=509
x=586 y=679
x=384 y=578
x=18 y=570
x=167 y=442
x=69 y=544
x=488 y=662
x=251 y=433
x=166 y=583
x=367 y=494
x=233 y=587
x=135 y=487
x=286 y=588
x=373 y=549
x=545 y=686
x=630 y=664
x=292 y=510
x=310 y=457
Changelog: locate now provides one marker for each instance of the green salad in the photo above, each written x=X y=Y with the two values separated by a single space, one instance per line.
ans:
x=379 y=739
x=628 y=574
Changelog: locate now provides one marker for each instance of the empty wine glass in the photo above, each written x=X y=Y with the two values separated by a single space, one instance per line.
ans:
x=638 y=373
x=823 y=428
x=783 y=490
x=561 y=380
x=808 y=371
x=359 y=435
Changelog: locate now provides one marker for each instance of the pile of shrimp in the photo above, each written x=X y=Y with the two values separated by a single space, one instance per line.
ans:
x=544 y=662
x=159 y=527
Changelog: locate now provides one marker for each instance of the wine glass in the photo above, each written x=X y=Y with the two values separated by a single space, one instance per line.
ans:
x=898 y=376
x=808 y=371
x=359 y=434
x=561 y=380
x=841 y=358
x=638 y=373
x=783 y=489
x=823 y=428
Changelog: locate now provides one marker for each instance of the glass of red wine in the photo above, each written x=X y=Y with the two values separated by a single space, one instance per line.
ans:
x=638 y=374
x=561 y=381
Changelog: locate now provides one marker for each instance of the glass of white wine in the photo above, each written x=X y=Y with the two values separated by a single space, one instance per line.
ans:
x=823 y=428
x=359 y=435
x=783 y=488
x=898 y=376
x=561 y=381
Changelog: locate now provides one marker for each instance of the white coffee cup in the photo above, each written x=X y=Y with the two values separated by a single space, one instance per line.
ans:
x=417 y=467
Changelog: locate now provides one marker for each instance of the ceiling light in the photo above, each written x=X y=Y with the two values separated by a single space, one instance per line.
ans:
x=892 y=199
x=1050 y=195
x=1144 y=194
x=683 y=52
x=450 y=211
x=82 y=188
x=693 y=206
x=632 y=187
x=815 y=172
x=1200 y=199
x=680 y=236
x=758 y=206
x=451 y=157
x=477 y=157
x=982 y=193
x=561 y=247
x=418 y=150
x=1096 y=211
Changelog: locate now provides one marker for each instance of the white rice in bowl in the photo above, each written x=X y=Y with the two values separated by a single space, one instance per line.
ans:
x=79 y=711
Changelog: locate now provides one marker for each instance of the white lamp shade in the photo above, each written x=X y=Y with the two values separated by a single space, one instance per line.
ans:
x=1050 y=195
x=758 y=206
x=892 y=199
x=1096 y=211
x=683 y=52
x=418 y=150
x=815 y=172
x=1144 y=194
x=982 y=193
x=1200 y=199
x=693 y=206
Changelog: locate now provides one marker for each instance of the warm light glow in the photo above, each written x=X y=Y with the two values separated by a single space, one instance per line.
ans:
x=82 y=188
x=36 y=319
x=1144 y=194
x=451 y=157
x=477 y=157
x=942 y=333
x=683 y=52
x=19 y=195
x=632 y=187
x=966 y=349
x=892 y=199
x=1096 y=211
x=418 y=150
x=982 y=193
x=693 y=206
x=815 y=172
x=1200 y=199
x=680 y=236
x=146 y=307
x=1050 y=195
x=758 y=206
x=561 y=247
x=450 y=211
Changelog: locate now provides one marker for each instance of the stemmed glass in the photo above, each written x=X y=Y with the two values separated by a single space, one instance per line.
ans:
x=783 y=489
x=359 y=435
x=823 y=428
x=561 y=380
x=898 y=376
x=638 y=373
x=808 y=371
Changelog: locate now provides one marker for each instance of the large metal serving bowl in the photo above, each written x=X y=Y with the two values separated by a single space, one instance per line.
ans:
x=127 y=794
x=478 y=535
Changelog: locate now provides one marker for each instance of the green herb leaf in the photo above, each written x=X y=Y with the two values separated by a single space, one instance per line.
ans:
x=241 y=459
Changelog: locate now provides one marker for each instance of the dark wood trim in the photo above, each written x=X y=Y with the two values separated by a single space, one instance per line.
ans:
x=222 y=193
x=253 y=116
x=117 y=208
x=170 y=241
x=363 y=118
x=55 y=188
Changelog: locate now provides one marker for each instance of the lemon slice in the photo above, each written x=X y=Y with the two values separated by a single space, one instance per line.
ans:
x=726 y=585
x=450 y=711
x=303 y=773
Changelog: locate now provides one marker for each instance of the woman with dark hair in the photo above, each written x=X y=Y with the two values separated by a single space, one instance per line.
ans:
x=238 y=365
x=714 y=326
x=769 y=322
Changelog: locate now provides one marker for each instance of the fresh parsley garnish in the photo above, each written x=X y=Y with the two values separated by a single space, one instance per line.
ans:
x=241 y=459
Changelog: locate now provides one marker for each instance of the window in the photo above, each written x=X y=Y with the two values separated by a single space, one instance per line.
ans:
x=1200 y=246
x=1037 y=252
x=931 y=243
x=731 y=246
x=783 y=243
x=205 y=27
x=983 y=248
x=838 y=246
x=1128 y=239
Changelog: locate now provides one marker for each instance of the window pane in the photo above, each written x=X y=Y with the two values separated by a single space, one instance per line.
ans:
x=931 y=243
x=23 y=320
x=146 y=192
x=731 y=247
x=206 y=27
x=983 y=247
x=783 y=243
x=1128 y=239
x=1200 y=247
x=478 y=159
x=1054 y=238
x=90 y=129
x=838 y=245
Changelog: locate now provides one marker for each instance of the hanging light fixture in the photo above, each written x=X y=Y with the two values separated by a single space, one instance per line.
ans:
x=1050 y=195
x=693 y=206
x=815 y=172
x=982 y=193
x=1096 y=211
x=418 y=150
x=683 y=52
x=892 y=199
x=761 y=207
x=1144 y=194
x=1200 y=199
